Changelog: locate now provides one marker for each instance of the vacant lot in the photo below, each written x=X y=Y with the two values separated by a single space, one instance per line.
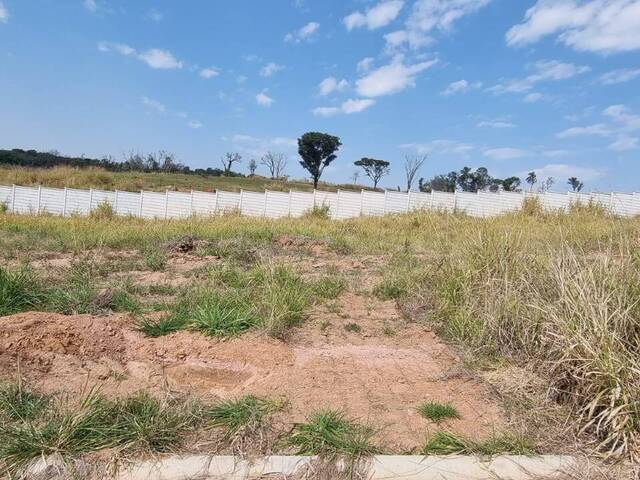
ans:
x=419 y=333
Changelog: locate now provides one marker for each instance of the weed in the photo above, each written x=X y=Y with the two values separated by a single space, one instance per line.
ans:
x=165 y=325
x=155 y=259
x=223 y=315
x=103 y=211
x=318 y=212
x=248 y=412
x=447 y=443
x=20 y=290
x=329 y=287
x=437 y=412
x=353 y=328
x=330 y=433
x=17 y=403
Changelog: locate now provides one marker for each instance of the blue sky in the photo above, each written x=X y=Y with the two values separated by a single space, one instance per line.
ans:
x=512 y=85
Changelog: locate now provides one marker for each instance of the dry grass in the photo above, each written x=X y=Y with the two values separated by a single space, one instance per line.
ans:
x=555 y=293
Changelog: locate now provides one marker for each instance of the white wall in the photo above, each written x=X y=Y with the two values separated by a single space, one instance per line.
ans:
x=343 y=204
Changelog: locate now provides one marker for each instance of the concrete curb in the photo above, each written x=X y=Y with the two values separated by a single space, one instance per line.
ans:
x=383 y=467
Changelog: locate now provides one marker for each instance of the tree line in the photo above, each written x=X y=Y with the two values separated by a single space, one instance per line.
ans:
x=317 y=151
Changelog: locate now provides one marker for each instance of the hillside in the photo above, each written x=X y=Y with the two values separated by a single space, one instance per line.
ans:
x=100 y=178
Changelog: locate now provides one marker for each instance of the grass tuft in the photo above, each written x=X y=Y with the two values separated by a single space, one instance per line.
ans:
x=248 y=412
x=17 y=403
x=330 y=433
x=437 y=412
x=447 y=443
x=19 y=291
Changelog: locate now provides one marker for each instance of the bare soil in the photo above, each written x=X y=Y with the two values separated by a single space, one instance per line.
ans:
x=379 y=374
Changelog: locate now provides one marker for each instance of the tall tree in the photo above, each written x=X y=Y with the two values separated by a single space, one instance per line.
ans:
x=229 y=159
x=275 y=162
x=253 y=166
x=531 y=179
x=317 y=151
x=575 y=184
x=510 y=184
x=547 y=184
x=373 y=168
x=413 y=163
x=440 y=183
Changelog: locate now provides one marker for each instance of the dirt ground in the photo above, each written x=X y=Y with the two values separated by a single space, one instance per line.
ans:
x=378 y=375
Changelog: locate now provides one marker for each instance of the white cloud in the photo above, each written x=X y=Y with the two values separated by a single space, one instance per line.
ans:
x=270 y=68
x=505 y=153
x=153 y=104
x=209 y=72
x=461 y=86
x=264 y=100
x=624 y=143
x=533 y=97
x=429 y=15
x=391 y=78
x=561 y=171
x=331 y=84
x=496 y=124
x=603 y=26
x=597 y=129
x=250 y=146
x=154 y=58
x=445 y=147
x=555 y=153
x=303 y=34
x=194 y=124
x=622 y=126
x=4 y=13
x=377 y=16
x=348 y=107
x=90 y=5
x=155 y=15
x=365 y=64
x=543 y=71
x=161 y=59
x=619 y=76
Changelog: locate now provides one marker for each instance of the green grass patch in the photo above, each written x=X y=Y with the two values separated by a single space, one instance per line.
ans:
x=330 y=433
x=248 y=412
x=447 y=443
x=18 y=403
x=223 y=315
x=329 y=287
x=437 y=412
x=155 y=259
x=19 y=291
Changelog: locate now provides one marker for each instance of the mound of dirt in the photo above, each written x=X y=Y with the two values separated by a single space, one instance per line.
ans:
x=375 y=376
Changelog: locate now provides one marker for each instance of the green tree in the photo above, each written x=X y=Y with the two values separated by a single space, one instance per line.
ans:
x=575 y=184
x=532 y=178
x=317 y=151
x=374 y=169
x=439 y=183
x=511 y=184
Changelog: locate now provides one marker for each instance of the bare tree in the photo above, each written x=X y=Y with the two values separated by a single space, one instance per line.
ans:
x=413 y=163
x=275 y=162
x=253 y=166
x=229 y=159
x=355 y=176
x=546 y=185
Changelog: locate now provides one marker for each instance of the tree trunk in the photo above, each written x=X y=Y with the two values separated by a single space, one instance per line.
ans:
x=315 y=183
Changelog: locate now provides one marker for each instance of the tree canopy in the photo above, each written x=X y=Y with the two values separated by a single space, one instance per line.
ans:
x=317 y=151
x=373 y=168
x=469 y=180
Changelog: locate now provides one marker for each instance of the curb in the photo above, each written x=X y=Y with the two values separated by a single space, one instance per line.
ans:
x=382 y=467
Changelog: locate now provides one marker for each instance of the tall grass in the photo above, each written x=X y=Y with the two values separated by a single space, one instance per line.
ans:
x=575 y=313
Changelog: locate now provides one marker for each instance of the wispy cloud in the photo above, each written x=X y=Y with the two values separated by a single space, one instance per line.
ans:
x=542 y=71
x=505 y=153
x=375 y=17
x=460 y=86
x=195 y=124
x=441 y=146
x=619 y=76
x=562 y=171
x=347 y=107
x=209 y=72
x=391 y=78
x=90 y=5
x=305 y=33
x=155 y=15
x=429 y=15
x=153 y=105
x=496 y=124
x=270 y=68
x=603 y=26
x=4 y=13
x=264 y=100
x=331 y=84
x=154 y=57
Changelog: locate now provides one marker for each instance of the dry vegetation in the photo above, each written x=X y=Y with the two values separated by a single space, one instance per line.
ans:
x=544 y=307
x=84 y=178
